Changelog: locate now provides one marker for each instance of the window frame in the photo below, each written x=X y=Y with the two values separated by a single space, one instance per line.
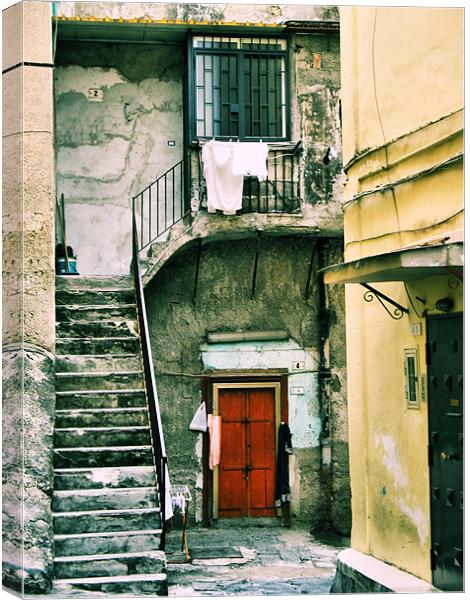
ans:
x=240 y=53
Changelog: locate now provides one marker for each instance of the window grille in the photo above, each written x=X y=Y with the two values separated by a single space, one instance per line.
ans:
x=240 y=87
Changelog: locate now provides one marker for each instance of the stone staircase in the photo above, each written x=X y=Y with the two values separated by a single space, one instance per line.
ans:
x=105 y=506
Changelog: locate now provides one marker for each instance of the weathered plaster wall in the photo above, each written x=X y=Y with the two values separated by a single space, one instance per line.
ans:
x=28 y=298
x=315 y=110
x=223 y=303
x=198 y=12
x=335 y=393
x=108 y=151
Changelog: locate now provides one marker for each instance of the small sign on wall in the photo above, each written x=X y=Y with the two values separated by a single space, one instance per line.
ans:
x=297 y=391
x=95 y=95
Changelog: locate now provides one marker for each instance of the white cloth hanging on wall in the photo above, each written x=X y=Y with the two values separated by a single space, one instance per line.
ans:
x=199 y=422
x=224 y=189
x=249 y=159
x=214 y=424
x=168 y=504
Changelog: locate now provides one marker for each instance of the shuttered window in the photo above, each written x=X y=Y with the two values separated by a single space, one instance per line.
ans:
x=240 y=88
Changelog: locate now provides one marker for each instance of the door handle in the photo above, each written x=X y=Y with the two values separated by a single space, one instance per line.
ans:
x=449 y=456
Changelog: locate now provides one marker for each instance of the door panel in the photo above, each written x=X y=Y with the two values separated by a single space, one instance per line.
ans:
x=248 y=452
x=445 y=385
x=232 y=475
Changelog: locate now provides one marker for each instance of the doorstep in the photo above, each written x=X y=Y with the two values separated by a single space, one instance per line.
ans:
x=361 y=573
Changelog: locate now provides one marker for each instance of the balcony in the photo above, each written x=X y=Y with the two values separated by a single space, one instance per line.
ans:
x=181 y=191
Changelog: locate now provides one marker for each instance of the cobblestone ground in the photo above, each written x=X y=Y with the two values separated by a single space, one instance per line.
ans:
x=274 y=561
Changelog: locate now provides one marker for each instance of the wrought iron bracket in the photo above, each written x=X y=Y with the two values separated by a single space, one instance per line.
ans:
x=372 y=293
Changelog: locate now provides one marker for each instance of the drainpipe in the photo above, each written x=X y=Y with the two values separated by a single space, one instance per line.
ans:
x=324 y=375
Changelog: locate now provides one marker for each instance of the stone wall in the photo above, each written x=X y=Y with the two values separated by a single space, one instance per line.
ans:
x=223 y=302
x=28 y=297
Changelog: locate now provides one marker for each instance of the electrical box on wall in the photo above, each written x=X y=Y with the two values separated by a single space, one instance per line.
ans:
x=411 y=377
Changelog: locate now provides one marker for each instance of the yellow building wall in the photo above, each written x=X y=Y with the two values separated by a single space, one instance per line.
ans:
x=402 y=118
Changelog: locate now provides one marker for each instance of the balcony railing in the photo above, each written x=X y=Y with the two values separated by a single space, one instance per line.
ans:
x=280 y=193
x=182 y=188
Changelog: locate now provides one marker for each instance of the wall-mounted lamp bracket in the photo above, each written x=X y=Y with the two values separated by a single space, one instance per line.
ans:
x=372 y=293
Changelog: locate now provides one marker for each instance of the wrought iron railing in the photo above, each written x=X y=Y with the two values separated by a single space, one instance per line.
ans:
x=160 y=205
x=280 y=193
x=167 y=200
x=158 y=442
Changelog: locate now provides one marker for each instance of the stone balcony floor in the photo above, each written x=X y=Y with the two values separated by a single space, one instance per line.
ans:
x=274 y=561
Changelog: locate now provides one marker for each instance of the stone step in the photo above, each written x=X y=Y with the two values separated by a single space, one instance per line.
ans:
x=112 y=565
x=122 y=456
x=96 y=312
x=74 y=363
x=86 y=297
x=106 y=520
x=79 y=437
x=101 y=399
x=104 y=380
x=104 y=499
x=90 y=345
x=94 y=282
x=97 y=329
x=74 y=544
x=151 y=584
x=105 y=417
x=104 y=477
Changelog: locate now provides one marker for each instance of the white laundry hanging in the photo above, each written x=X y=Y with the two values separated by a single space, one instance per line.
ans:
x=249 y=159
x=224 y=189
x=168 y=505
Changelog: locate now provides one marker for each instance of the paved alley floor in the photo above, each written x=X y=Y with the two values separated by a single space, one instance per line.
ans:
x=252 y=561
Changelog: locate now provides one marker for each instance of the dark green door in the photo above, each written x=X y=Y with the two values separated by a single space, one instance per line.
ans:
x=445 y=385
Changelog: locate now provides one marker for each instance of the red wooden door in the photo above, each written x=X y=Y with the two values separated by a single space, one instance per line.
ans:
x=248 y=452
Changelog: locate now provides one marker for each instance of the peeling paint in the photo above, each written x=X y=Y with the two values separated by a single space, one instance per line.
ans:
x=78 y=79
x=391 y=459
x=419 y=519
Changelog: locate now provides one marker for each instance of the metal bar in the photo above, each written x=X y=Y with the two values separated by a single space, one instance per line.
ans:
x=159 y=177
x=166 y=206
x=181 y=190
x=382 y=296
x=173 y=193
x=62 y=222
x=163 y=470
x=276 y=154
x=150 y=213
x=158 y=206
x=158 y=442
x=141 y=219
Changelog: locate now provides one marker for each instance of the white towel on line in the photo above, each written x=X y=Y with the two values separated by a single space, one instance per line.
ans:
x=249 y=159
x=224 y=189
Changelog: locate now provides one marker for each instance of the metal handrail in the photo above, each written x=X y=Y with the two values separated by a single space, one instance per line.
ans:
x=160 y=205
x=158 y=441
